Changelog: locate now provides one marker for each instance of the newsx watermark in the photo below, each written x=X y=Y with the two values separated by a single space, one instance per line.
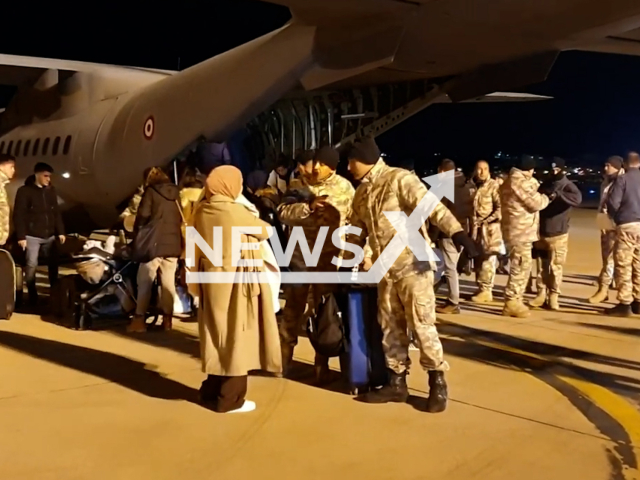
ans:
x=407 y=236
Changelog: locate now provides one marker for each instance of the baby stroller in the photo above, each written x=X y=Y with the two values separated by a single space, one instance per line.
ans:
x=104 y=287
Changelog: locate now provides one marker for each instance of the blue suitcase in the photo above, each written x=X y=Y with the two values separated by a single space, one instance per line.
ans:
x=365 y=361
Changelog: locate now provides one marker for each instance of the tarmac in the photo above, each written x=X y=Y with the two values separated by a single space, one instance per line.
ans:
x=555 y=396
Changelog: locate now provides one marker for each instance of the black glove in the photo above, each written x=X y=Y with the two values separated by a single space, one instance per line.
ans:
x=462 y=240
x=546 y=189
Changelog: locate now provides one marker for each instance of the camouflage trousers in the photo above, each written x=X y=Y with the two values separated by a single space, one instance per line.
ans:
x=520 y=261
x=551 y=264
x=486 y=272
x=409 y=304
x=298 y=298
x=627 y=263
x=607 y=247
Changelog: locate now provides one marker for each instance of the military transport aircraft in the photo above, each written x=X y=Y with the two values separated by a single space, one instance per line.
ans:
x=100 y=126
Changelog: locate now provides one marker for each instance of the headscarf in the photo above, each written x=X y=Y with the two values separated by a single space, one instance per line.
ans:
x=224 y=180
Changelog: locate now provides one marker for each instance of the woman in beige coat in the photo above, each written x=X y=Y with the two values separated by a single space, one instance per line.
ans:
x=237 y=322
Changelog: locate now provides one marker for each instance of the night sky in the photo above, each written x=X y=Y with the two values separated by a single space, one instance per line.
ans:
x=595 y=111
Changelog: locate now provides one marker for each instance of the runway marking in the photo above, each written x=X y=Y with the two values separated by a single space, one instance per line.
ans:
x=611 y=414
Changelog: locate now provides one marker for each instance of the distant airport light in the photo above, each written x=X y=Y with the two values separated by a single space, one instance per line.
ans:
x=66 y=175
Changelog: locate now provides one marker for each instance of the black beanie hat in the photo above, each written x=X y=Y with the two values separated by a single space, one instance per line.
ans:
x=527 y=162
x=615 y=161
x=365 y=150
x=558 y=163
x=328 y=156
x=304 y=157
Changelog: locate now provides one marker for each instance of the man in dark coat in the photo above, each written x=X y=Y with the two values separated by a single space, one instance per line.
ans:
x=554 y=234
x=38 y=224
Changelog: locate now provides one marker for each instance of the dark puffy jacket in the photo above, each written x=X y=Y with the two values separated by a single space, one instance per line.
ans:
x=554 y=220
x=623 y=202
x=159 y=206
x=36 y=212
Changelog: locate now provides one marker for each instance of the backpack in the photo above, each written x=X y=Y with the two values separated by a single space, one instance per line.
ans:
x=325 y=329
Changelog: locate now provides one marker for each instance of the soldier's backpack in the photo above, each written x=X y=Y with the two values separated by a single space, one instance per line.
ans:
x=325 y=329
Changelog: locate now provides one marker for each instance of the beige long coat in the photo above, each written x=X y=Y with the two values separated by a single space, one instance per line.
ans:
x=237 y=323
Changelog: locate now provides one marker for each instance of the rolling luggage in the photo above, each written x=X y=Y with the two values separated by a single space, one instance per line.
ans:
x=8 y=285
x=365 y=361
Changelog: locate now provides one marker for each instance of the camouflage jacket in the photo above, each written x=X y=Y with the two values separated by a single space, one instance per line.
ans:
x=388 y=189
x=339 y=192
x=486 y=229
x=5 y=210
x=521 y=205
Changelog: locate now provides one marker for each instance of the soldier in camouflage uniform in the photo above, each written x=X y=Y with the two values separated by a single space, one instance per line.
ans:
x=612 y=168
x=554 y=235
x=623 y=204
x=521 y=203
x=324 y=201
x=486 y=230
x=7 y=171
x=405 y=295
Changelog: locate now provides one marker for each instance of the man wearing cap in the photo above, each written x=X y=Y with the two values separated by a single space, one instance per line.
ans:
x=554 y=234
x=623 y=204
x=405 y=294
x=612 y=169
x=325 y=200
x=521 y=203
x=38 y=223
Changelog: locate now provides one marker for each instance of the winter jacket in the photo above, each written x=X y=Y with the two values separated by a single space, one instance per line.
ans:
x=388 y=189
x=296 y=212
x=623 y=202
x=159 y=206
x=521 y=203
x=487 y=213
x=554 y=220
x=36 y=212
x=605 y=188
x=5 y=210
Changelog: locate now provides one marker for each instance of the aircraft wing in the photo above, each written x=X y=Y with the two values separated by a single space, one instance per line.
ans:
x=490 y=45
x=625 y=43
x=19 y=70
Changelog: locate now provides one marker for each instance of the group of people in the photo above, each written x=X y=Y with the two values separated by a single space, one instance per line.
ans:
x=239 y=331
x=516 y=216
x=619 y=223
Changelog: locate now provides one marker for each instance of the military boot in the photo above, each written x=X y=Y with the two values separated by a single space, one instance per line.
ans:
x=483 y=296
x=554 y=304
x=540 y=300
x=515 y=308
x=395 y=391
x=600 y=296
x=437 y=401
x=635 y=307
x=620 y=310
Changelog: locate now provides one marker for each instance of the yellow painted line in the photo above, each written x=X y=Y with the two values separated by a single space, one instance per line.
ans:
x=617 y=407
x=612 y=404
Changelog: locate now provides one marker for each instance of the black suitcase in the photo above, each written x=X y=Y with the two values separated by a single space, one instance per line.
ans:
x=8 y=285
